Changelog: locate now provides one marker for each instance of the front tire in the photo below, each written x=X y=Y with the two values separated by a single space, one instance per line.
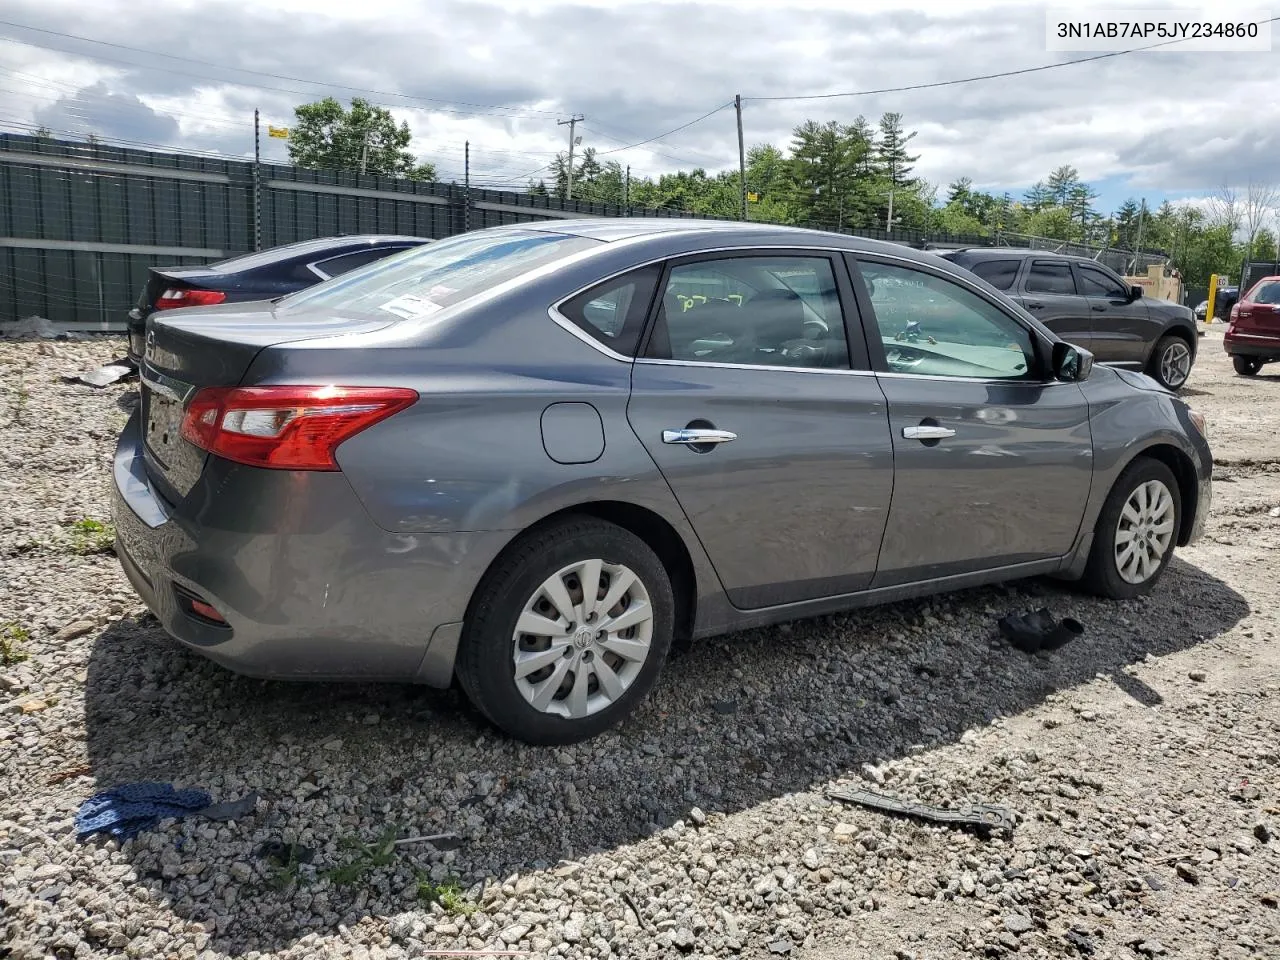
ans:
x=1136 y=532
x=1171 y=362
x=1246 y=366
x=567 y=632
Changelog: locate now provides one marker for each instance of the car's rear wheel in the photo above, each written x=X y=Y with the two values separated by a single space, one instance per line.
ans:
x=568 y=632
x=1246 y=366
x=1136 y=532
x=1171 y=362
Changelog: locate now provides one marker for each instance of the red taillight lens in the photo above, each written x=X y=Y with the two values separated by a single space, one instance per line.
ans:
x=286 y=427
x=173 y=298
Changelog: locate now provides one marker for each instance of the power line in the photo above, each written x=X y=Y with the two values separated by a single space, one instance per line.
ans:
x=487 y=110
x=663 y=136
x=985 y=76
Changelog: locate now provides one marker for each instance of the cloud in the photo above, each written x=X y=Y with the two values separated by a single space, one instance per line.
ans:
x=99 y=111
x=499 y=76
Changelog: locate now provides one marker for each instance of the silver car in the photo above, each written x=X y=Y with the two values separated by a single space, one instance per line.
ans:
x=530 y=457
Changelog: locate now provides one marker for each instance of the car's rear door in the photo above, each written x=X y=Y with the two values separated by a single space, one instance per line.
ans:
x=1047 y=290
x=993 y=461
x=1259 y=312
x=1122 y=328
x=761 y=411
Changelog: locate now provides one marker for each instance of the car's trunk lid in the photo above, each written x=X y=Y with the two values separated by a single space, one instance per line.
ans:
x=160 y=279
x=190 y=349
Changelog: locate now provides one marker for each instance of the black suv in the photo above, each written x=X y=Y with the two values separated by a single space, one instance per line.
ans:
x=1085 y=303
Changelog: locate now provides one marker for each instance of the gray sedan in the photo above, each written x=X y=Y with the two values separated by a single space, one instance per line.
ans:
x=530 y=457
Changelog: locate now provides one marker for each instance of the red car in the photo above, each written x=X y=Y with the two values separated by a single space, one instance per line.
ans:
x=1253 y=334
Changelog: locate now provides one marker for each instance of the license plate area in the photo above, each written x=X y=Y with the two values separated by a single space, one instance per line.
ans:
x=162 y=423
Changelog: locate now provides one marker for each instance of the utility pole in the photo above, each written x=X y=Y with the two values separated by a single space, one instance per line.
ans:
x=257 y=185
x=466 y=196
x=888 y=223
x=364 y=153
x=573 y=121
x=742 y=156
x=626 y=192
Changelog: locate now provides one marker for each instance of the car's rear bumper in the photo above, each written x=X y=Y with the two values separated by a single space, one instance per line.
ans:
x=1238 y=344
x=309 y=586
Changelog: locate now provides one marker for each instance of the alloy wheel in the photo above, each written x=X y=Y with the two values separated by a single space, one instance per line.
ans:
x=1175 y=364
x=1144 y=533
x=582 y=639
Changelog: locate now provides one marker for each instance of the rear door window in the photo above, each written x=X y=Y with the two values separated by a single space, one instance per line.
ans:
x=999 y=273
x=1051 y=276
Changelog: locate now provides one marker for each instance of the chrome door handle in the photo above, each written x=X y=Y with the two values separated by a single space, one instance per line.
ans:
x=927 y=433
x=697 y=436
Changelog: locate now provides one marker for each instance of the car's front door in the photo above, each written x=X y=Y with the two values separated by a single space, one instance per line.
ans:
x=993 y=460
x=1048 y=292
x=1122 y=328
x=765 y=419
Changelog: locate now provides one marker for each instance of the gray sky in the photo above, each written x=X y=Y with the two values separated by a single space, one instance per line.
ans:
x=500 y=74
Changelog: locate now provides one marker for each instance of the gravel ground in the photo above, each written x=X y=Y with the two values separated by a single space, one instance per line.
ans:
x=1141 y=761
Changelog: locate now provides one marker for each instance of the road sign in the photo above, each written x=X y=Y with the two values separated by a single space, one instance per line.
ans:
x=280 y=133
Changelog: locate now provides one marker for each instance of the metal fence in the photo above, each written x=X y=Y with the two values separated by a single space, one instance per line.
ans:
x=80 y=223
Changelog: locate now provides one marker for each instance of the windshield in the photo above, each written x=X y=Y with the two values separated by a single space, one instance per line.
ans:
x=419 y=282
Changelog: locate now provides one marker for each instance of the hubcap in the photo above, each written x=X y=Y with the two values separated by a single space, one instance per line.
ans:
x=1175 y=365
x=582 y=639
x=1145 y=532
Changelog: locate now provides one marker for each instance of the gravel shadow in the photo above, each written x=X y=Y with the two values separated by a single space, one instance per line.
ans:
x=736 y=721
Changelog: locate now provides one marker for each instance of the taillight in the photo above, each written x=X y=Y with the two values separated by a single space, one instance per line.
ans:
x=173 y=298
x=286 y=427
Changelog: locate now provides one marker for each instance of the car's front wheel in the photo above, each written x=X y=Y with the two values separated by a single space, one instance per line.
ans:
x=1136 y=532
x=1171 y=362
x=568 y=632
x=1246 y=366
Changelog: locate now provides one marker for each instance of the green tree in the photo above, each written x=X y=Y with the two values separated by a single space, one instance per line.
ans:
x=825 y=172
x=1126 y=224
x=327 y=136
x=1038 y=197
x=1264 y=245
x=892 y=159
x=1062 y=183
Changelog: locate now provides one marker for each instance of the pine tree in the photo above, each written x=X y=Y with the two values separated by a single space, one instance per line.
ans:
x=894 y=163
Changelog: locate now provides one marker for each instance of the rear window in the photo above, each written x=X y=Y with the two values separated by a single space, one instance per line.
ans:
x=999 y=273
x=1267 y=293
x=288 y=251
x=420 y=282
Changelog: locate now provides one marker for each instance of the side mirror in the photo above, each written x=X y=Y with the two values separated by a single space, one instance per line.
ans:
x=1071 y=363
x=1135 y=293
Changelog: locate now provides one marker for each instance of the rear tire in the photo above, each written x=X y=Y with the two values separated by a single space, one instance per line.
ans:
x=572 y=677
x=1136 y=532
x=1246 y=366
x=1171 y=362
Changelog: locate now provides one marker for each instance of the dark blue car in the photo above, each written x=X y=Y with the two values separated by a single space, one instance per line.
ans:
x=264 y=275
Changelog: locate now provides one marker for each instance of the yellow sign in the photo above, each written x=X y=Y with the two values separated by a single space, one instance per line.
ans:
x=753 y=197
x=280 y=133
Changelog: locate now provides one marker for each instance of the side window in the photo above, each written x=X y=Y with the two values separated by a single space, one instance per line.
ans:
x=1051 y=276
x=934 y=327
x=999 y=273
x=1099 y=283
x=349 y=261
x=771 y=311
x=614 y=312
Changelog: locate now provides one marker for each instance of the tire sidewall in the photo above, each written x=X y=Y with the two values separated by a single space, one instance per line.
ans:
x=489 y=636
x=1103 y=571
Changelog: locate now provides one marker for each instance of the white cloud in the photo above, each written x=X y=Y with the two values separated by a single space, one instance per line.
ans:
x=1163 y=122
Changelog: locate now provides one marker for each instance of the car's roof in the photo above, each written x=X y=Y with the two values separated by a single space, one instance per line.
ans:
x=1006 y=253
x=764 y=234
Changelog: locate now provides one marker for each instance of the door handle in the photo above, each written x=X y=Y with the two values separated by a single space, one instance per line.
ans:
x=696 y=437
x=1099 y=309
x=927 y=432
